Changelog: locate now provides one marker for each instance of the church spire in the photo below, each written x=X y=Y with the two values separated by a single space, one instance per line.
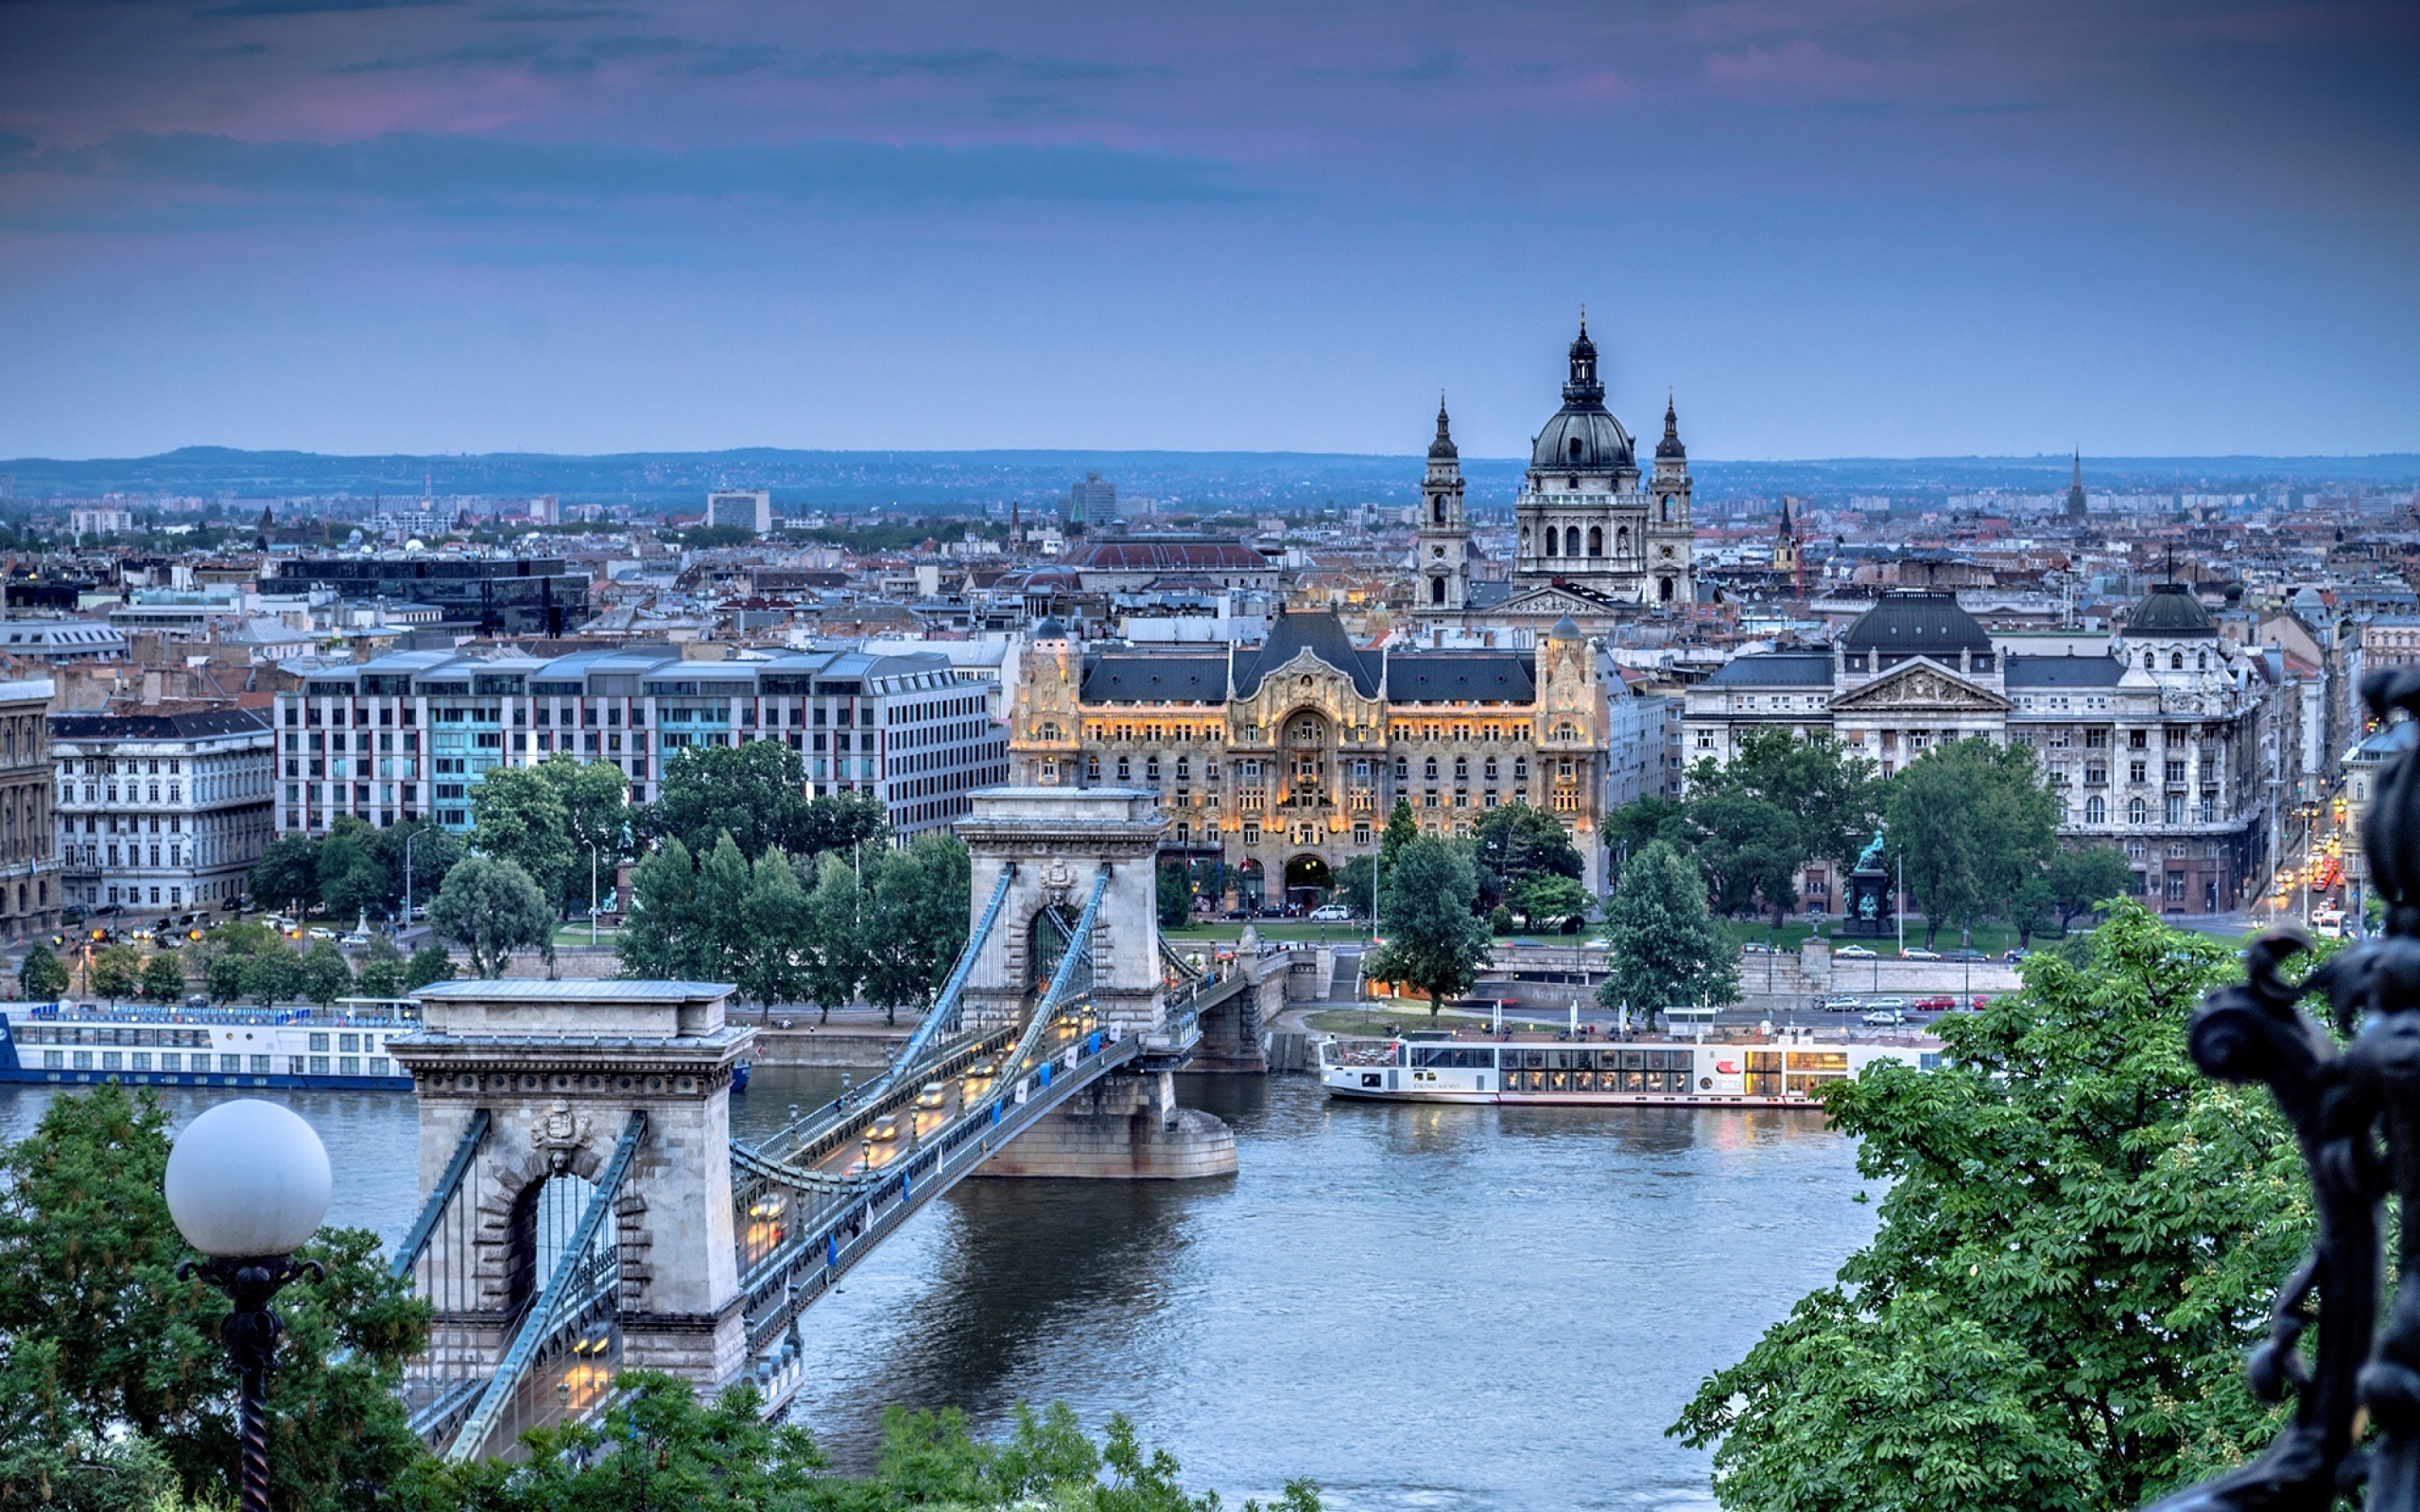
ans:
x=1584 y=387
x=1669 y=449
x=1443 y=445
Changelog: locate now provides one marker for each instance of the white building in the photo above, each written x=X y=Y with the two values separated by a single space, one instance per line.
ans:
x=161 y=808
x=107 y=520
x=748 y=508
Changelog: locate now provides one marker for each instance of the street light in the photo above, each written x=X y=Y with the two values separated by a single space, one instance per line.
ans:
x=247 y=1184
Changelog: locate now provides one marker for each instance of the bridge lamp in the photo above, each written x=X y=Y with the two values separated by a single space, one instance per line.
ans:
x=247 y=1184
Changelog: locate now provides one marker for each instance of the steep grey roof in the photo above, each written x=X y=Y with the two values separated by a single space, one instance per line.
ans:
x=2171 y=610
x=1155 y=676
x=1775 y=669
x=1443 y=676
x=192 y=725
x=1323 y=636
x=1917 y=624
x=2063 y=672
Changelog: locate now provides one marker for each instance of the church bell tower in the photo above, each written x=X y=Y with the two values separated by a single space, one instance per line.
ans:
x=1441 y=546
x=1671 y=580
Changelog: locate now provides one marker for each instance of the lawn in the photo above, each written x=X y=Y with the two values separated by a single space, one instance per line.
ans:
x=578 y=934
x=1991 y=939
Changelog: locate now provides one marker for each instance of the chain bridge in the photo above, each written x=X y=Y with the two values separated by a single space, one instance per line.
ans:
x=588 y=1212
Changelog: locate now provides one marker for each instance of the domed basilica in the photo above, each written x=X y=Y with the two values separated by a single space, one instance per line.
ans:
x=1597 y=537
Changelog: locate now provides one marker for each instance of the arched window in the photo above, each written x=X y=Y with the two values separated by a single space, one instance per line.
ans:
x=1437 y=512
x=1621 y=542
x=1571 y=541
x=1461 y=769
x=2202 y=661
x=1436 y=590
x=2176 y=660
x=1428 y=769
x=1575 y=450
x=2149 y=661
x=1596 y=540
x=1126 y=768
x=1667 y=508
x=1554 y=538
x=2094 y=810
x=1664 y=589
x=2138 y=812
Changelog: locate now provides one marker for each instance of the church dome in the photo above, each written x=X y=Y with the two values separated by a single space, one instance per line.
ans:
x=2171 y=610
x=1442 y=449
x=1584 y=436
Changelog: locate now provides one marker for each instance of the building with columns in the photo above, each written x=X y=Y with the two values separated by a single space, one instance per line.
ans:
x=29 y=896
x=161 y=808
x=1597 y=539
x=2154 y=745
x=1276 y=763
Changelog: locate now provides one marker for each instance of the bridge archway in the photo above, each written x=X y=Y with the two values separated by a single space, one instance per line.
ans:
x=1045 y=942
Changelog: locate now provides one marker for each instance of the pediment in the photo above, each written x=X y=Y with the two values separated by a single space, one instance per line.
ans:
x=1920 y=684
x=1551 y=603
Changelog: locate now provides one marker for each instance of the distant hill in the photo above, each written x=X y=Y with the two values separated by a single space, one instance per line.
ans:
x=951 y=482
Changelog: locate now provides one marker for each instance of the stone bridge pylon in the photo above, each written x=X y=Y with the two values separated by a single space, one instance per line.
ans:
x=1053 y=842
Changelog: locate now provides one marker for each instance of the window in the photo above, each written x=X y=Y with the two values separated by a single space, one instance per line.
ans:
x=2096 y=811
x=2136 y=772
x=2176 y=808
x=2138 y=812
x=228 y=1063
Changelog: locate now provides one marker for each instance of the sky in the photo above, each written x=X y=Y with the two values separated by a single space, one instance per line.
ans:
x=1828 y=227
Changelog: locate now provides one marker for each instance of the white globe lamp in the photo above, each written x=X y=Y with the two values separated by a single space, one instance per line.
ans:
x=247 y=1184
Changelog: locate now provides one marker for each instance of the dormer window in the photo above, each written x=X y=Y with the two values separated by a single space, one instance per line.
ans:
x=2176 y=660
x=1574 y=448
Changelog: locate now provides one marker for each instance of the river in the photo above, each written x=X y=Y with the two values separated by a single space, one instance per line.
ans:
x=1449 y=1308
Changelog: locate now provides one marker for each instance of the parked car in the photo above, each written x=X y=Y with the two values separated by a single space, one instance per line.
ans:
x=1756 y=947
x=1978 y=1002
x=1893 y=1004
x=354 y=939
x=1854 y=952
x=1936 y=1004
x=1841 y=1004
x=1331 y=914
x=1917 y=953
x=196 y=1001
x=2013 y=954
x=1962 y=953
x=1884 y=1019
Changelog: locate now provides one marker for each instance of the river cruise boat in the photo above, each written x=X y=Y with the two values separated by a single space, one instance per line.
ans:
x=340 y=1047
x=1651 y=1072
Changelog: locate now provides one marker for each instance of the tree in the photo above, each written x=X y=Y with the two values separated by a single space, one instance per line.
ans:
x=164 y=977
x=660 y=932
x=1662 y=946
x=326 y=975
x=273 y=975
x=1515 y=843
x=2082 y=879
x=755 y=792
x=41 y=977
x=2078 y=1239
x=915 y=922
x=1353 y=883
x=1641 y=821
x=99 y=1338
x=117 y=972
x=1175 y=900
x=1403 y=828
x=1750 y=851
x=287 y=875
x=1552 y=902
x=353 y=881
x=1829 y=789
x=595 y=799
x=835 y=957
x=1433 y=943
x=429 y=964
x=772 y=962
x=1971 y=821
x=519 y=816
x=492 y=908
x=381 y=970
x=435 y=850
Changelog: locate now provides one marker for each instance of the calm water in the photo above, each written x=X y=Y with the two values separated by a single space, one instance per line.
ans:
x=1418 y=1307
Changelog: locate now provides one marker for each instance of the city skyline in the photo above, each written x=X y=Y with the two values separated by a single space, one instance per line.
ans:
x=1884 y=229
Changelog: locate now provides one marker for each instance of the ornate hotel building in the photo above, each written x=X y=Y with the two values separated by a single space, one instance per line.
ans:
x=2151 y=741
x=1281 y=762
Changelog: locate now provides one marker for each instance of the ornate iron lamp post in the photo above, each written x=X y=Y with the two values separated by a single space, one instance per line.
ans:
x=2356 y=1114
x=247 y=1184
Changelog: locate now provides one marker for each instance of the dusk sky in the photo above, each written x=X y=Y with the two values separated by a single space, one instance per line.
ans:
x=1864 y=228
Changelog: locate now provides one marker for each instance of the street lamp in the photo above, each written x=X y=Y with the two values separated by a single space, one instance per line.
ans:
x=247 y=1184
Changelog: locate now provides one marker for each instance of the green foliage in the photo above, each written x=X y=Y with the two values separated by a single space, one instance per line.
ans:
x=596 y=800
x=1515 y=845
x=917 y=921
x=353 y=881
x=1433 y=943
x=1553 y=902
x=40 y=976
x=100 y=1341
x=2077 y=1245
x=756 y=793
x=1499 y=920
x=164 y=977
x=2079 y=881
x=517 y=815
x=656 y=936
x=1972 y=822
x=430 y=963
x=117 y=972
x=1403 y=828
x=326 y=975
x=1351 y=884
x=1756 y=820
x=834 y=954
x=492 y=908
x=1750 y=849
x=381 y=970
x=1174 y=900
x=1642 y=820
x=1663 y=947
x=273 y=975
x=772 y=964
x=286 y=873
